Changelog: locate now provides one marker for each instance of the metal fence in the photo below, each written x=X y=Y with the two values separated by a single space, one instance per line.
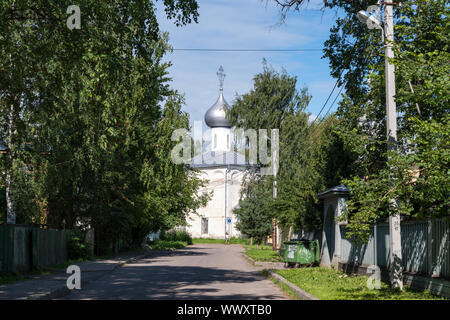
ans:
x=25 y=248
x=425 y=248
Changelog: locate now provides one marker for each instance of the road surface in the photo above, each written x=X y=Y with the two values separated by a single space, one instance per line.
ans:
x=202 y=271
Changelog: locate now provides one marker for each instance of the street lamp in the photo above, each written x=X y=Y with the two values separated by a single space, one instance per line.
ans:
x=369 y=19
x=372 y=18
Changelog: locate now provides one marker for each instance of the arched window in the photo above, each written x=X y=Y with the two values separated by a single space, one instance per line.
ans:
x=228 y=141
x=215 y=141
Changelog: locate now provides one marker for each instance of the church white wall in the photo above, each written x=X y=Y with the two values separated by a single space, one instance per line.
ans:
x=215 y=208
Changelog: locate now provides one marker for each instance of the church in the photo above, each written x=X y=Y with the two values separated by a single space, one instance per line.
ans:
x=223 y=169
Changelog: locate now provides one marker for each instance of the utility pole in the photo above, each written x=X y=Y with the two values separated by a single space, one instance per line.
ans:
x=373 y=21
x=391 y=127
x=274 y=152
x=226 y=200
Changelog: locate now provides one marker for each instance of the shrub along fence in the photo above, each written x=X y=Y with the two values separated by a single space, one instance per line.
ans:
x=30 y=247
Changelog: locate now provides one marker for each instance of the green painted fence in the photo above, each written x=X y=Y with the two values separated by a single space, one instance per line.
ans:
x=25 y=248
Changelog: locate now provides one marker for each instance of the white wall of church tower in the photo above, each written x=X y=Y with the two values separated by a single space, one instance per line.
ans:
x=220 y=139
x=214 y=211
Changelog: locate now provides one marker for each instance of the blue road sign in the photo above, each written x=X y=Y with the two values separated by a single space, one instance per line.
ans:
x=229 y=220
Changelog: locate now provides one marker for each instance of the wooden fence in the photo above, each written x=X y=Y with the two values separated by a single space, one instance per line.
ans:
x=26 y=248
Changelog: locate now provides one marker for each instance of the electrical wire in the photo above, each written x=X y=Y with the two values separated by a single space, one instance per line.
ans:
x=246 y=50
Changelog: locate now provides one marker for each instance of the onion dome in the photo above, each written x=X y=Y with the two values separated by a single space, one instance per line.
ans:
x=216 y=115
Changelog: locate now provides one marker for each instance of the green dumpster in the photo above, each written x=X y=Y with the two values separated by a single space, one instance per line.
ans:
x=301 y=252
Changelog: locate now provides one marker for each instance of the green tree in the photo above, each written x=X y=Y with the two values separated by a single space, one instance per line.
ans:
x=254 y=217
x=419 y=171
x=305 y=155
x=82 y=112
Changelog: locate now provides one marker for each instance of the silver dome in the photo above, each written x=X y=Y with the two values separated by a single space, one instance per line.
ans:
x=215 y=116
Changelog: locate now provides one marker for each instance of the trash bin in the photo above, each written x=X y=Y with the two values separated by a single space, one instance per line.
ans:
x=301 y=252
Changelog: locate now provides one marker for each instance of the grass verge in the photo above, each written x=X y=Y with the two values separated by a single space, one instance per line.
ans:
x=15 y=276
x=11 y=277
x=282 y=285
x=264 y=254
x=330 y=284
x=65 y=264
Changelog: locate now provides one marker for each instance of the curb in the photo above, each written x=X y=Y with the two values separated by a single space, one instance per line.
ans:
x=303 y=295
x=268 y=265
x=63 y=291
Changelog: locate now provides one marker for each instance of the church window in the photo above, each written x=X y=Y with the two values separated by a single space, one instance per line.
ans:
x=215 y=141
x=204 y=226
x=228 y=140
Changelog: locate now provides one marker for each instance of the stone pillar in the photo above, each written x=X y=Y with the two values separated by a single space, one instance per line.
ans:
x=334 y=205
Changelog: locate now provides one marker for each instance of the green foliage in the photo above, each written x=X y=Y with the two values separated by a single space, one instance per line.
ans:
x=77 y=249
x=416 y=175
x=232 y=240
x=310 y=157
x=166 y=244
x=254 y=215
x=176 y=235
x=87 y=116
x=272 y=98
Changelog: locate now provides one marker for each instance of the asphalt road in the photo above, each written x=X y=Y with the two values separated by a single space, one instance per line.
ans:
x=203 y=271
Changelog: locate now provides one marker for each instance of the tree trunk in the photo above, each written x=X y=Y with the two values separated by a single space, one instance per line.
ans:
x=10 y=213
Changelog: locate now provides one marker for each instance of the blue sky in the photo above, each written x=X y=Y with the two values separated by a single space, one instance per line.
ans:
x=247 y=24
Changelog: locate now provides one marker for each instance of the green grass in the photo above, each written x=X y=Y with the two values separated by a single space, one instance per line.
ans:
x=11 y=277
x=167 y=244
x=286 y=289
x=65 y=264
x=264 y=253
x=14 y=276
x=330 y=284
x=221 y=241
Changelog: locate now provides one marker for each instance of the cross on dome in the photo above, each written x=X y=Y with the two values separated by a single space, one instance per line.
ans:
x=221 y=77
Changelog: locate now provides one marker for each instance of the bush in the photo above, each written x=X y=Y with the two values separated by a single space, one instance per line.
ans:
x=166 y=244
x=176 y=235
x=233 y=240
x=77 y=249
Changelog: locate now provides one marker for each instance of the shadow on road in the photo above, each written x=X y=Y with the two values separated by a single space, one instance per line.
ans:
x=162 y=277
x=167 y=282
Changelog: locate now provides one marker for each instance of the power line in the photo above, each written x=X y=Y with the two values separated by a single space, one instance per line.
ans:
x=329 y=96
x=329 y=108
x=246 y=50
